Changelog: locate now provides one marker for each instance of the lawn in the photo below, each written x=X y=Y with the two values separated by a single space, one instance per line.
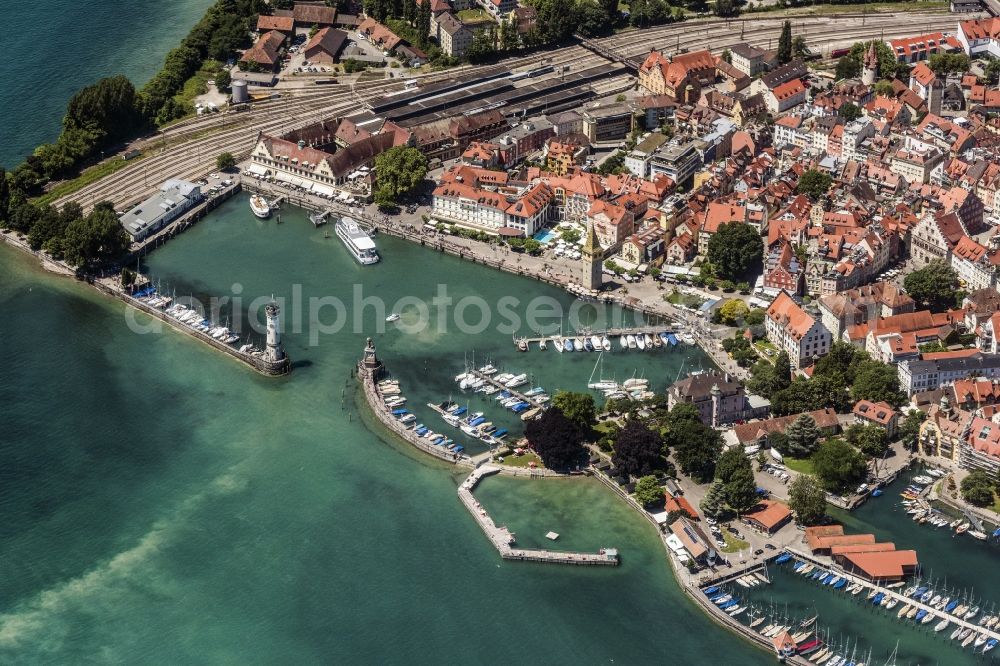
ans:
x=800 y=465
x=688 y=300
x=198 y=84
x=469 y=16
x=523 y=460
x=733 y=545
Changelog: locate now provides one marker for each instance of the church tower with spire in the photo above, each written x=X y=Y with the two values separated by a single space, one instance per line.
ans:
x=593 y=254
x=870 y=73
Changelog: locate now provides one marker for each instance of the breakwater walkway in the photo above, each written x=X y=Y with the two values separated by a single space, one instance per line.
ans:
x=504 y=540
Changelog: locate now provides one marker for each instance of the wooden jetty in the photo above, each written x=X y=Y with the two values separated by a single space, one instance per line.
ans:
x=899 y=596
x=504 y=541
x=612 y=334
x=513 y=392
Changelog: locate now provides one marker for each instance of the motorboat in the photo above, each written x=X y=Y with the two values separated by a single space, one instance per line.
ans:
x=587 y=344
x=623 y=341
x=393 y=317
x=631 y=341
x=557 y=342
x=605 y=344
x=568 y=344
x=260 y=207
x=578 y=344
x=640 y=342
x=648 y=339
x=595 y=341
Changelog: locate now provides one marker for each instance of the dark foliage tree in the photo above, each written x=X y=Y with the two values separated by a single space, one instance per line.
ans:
x=555 y=439
x=814 y=184
x=849 y=111
x=735 y=250
x=909 y=429
x=785 y=43
x=398 y=171
x=934 y=285
x=638 y=450
x=713 y=504
x=877 y=382
x=741 y=491
x=696 y=447
x=730 y=462
x=870 y=439
x=803 y=436
x=95 y=239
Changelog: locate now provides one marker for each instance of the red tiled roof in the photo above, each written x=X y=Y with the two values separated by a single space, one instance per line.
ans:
x=770 y=514
x=888 y=564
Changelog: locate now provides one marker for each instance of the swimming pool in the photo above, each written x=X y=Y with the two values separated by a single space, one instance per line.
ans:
x=545 y=236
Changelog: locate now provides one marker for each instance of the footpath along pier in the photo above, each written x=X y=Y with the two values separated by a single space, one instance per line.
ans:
x=613 y=334
x=938 y=614
x=504 y=540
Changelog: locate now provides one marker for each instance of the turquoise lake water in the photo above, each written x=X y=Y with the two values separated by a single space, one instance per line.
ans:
x=55 y=48
x=161 y=503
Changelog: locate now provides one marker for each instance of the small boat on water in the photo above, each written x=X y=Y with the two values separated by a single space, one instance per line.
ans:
x=557 y=342
x=393 y=317
x=605 y=344
x=631 y=341
x=260 y=207
x=568 y=344
x=578 y=344
x=357 y=241
x=640 y=342
x=623 y=341
x=976 y=534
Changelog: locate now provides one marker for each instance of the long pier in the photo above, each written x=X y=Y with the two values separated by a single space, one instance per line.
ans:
x=513 y=392
x=939 y=614
x=503 y=540
x=613 y=334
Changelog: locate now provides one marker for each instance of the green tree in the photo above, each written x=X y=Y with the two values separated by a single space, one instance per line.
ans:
x=578 y=408
x=555 y=439
x=733 y=311
x=726 y=56
x=399 y=170
x=741 y=491
x=799 y=46
x=696 y=447
x=814 y=183
x=945 y=63
x=4 y=195
x=848 y=68
x=933 y=285
x=648 y=491
x=909 y=429
x=225 y=162
x=807 y=499
x=838 y=465
x=803 y=436
x=884 y=88
x=223 y=80
x=726 y=8
x=735 y=250
x=840 y=361
x=877 y=382
x=785 y=43
x=755 y=317
x=95 y=239
x=638 y=450
x=977 y=488
x=713 y=504
x=849 y=111
x=730 y=462
x=872 y=440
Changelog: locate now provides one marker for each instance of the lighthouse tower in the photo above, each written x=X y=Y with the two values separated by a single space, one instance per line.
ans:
x=593 y=254
x=870 y=73
x=275 y=352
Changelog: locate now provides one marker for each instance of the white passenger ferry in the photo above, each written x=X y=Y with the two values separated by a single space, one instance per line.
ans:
x=357 y=241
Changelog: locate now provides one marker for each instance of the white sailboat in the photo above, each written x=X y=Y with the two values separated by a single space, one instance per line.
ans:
x=602 y=384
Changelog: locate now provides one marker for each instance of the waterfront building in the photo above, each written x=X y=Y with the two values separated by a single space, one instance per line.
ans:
x=517 y=211
x=175 y=198
x=719 y=398
x=794 y=330
x=768 y=516
x=694 y=541
x=880 y=414
x=313 y=169
x=962 y=437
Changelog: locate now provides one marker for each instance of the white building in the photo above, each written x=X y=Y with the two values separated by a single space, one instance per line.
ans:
x=495 y=212
x=980 y=36
x=175 y=198
x=789 y=327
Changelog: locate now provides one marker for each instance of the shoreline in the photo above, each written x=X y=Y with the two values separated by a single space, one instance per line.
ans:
x=370 y=393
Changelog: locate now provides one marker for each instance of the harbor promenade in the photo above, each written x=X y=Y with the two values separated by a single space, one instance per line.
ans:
x=503 y=540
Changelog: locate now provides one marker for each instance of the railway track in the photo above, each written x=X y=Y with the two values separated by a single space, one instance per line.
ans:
x=196 y=143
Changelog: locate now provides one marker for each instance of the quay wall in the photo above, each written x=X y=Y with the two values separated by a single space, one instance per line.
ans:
x=261 y=365
x=369 y=378
x=503 y=540
x=185 y=221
